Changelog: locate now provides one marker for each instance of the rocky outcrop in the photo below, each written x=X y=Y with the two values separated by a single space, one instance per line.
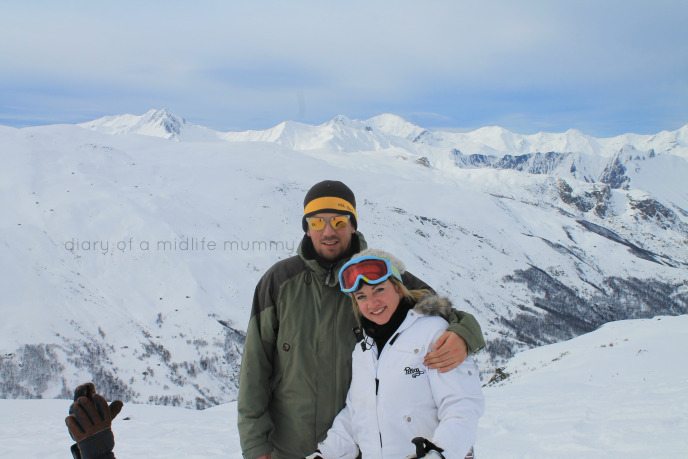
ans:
x=532 y=163
x=596 y=200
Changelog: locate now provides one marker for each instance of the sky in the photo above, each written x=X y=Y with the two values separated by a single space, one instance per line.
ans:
x=603 y=67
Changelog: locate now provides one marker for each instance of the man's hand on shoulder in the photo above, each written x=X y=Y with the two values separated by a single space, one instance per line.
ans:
x=447 y=353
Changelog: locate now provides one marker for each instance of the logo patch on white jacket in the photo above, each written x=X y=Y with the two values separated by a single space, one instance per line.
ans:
x=414 y=372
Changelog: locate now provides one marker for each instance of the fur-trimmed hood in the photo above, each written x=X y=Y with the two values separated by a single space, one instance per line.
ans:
x=434 y=305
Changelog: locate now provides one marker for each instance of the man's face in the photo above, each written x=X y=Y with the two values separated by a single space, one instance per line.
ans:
x=329 y=243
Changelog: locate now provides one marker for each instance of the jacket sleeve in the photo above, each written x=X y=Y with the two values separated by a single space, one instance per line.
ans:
x=339 y=442
x=467 y=327
x=460 y=403
x=255 y=379
x=462 y=323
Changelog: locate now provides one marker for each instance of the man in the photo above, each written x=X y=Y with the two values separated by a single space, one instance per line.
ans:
x=296 y=366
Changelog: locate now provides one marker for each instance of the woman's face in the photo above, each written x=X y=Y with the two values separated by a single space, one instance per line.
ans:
x=378 y=302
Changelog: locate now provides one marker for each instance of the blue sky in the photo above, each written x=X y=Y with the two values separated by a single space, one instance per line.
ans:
x=605 y=67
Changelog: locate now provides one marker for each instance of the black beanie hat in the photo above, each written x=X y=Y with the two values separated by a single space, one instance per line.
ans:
x=329 y=196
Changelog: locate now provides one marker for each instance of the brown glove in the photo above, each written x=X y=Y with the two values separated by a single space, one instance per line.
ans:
x=89 y=422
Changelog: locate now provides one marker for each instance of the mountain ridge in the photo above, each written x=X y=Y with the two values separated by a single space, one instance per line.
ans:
x=485 y=140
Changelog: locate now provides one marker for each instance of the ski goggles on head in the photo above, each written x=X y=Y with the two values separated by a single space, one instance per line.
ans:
x=318 y=223
x=370 y=269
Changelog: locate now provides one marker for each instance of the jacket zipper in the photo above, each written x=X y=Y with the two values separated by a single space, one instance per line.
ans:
x=328 y=278
x=377 y=398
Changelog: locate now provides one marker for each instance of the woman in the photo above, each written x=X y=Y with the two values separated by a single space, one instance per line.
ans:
x=396 y=407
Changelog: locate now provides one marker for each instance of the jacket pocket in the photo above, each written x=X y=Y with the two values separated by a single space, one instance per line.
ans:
x=408 y=363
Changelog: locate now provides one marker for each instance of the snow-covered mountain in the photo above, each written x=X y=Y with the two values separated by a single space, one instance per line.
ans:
x=394 y=125
x=619 y=392
x=382 y=131
x=154 y=123
x=338 y=134
x=569 y=154
x=131 y=259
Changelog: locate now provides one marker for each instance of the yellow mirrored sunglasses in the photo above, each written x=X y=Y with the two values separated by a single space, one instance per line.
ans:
x=318 y=223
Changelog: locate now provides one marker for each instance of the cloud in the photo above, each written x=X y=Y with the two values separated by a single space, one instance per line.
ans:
x=245 y=64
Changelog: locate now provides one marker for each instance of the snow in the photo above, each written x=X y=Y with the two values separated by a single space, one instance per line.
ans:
x=661 y=176
x=36 y=429
x=83 y=294
x=618 y=392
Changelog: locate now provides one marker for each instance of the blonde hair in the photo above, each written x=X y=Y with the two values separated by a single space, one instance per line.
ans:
x=413 y=295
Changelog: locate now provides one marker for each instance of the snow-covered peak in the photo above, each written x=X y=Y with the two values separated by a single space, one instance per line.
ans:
x=154 y=123
x=285 y=133
x=498 y=138
x=338 y=134
x=394 y=125
x=342 y=122
x=679 y=145
x=682 y=135
x=390 y=131
x=163 y=119
x=672 y=142
x=497 y=141
x=492 y=131
x=340 y=119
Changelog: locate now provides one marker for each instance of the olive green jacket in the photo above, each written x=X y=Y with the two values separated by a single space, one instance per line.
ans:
x=296 y=366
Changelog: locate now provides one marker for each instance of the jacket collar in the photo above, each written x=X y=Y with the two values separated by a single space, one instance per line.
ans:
x=329 y=273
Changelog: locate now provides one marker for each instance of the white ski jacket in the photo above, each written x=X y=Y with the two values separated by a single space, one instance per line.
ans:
x=394 y=397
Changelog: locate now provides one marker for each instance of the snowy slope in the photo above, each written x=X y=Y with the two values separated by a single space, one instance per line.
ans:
x=131 y=259
x=618 y=392
x=35 y=428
